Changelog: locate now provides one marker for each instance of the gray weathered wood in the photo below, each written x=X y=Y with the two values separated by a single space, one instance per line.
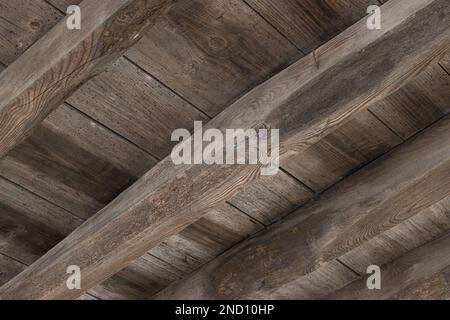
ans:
x=310 y=23
x=56 y=65
x=402 y=278
x=292 y=259
x=341 y=78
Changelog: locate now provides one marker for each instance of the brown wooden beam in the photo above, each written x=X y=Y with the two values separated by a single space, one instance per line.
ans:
x=306 y=101
x=61 y=61
x=382 y=211
x=420 y=274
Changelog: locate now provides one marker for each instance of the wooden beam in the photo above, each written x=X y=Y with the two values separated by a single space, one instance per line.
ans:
x=415 y=275
x=308 y=100
x=384 y=204
x=61 y=61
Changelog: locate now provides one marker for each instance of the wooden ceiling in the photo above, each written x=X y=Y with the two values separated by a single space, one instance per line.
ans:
x=85 y=124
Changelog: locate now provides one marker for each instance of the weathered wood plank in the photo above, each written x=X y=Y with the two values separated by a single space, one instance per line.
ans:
x=57 y=64
x=399 y=279
x=22 y=23
x=212 y=51
x=75 y=162
x=310 y=23
x=414 y=34
x=272 y=197
x=132 y=103
x=280 y=262
x=359 y=141
x=9 y=268
x=445 y=62
x=206 y=239
x=422 y=101
x=435 y=287
x=429 y=224
x=29 y=225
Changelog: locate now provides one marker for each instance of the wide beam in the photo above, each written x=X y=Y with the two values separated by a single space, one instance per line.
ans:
x=61 y=61
x=306 y=101
x=398 y=202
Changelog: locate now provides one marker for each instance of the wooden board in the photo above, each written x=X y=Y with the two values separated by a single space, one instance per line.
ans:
x=205 y=239
x=138 y=107
x=434 y=287
x=445 y=63
x=212 y=51
x=208 y=187
x=310 y=23
x=29 y=225
x=359 y=141
x=420 y=273
x=22 y=23
x=9 y=268
x=429 y=224
x=75 y=162
x=272 y=197
x=62 y=60
x=422 y=101
x=280 y=262
x=179 y=255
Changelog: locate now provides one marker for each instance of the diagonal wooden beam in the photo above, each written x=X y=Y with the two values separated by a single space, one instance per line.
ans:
x=61 y=61
x=397 y=203
x=422 y=273
x=309 y=99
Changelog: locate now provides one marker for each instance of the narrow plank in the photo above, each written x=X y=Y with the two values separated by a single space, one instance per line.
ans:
x=422 y=101
x=349 y=77
x=30 y=226
x=359 y=141
x=205 y=239
x=281 y=261
x=310 y=23
x=431 y=223
x=135 y=105
x=75 y=162
x=9 y=268
x=212 y=51
x=22 y=23
x=272 y=197
x=181 y=254
x=61 y=61
x=418 y=265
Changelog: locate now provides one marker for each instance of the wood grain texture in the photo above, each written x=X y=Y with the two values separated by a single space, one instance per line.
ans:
x=212 y=51
x=205 y=239
x=445 y=62
x=427 y=264
x=414 y=34
x=57 y=64
x=75 y=162
x=359 y=141
x=272 y=197
x=429 y=224
x=22 y=23
x=9 y=268
x=132 y=103
x=434 y=287
x=420 y=102
x=279 y=262
x=179 y=255
x=30 y=226
x=310 y=23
